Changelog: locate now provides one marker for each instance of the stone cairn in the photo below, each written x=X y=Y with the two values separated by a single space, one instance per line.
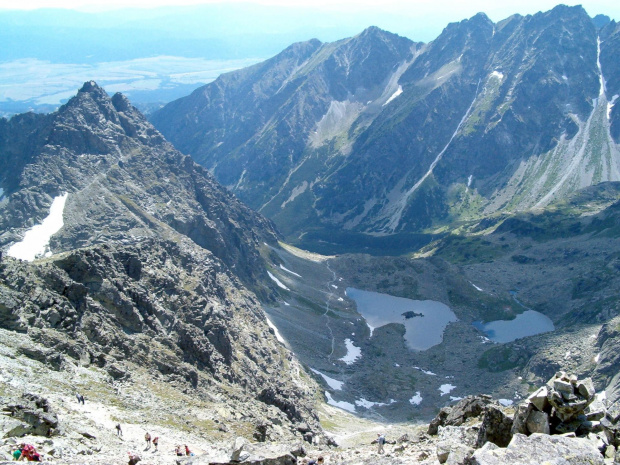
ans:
x=564 y=414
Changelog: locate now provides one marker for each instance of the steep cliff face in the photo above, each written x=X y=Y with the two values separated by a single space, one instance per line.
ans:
x=487 y=117
x=132 y=255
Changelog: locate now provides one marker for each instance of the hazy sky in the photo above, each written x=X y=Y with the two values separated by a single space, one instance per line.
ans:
x=450 y=9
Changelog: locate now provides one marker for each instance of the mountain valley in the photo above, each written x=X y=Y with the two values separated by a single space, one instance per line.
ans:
x=426 y=223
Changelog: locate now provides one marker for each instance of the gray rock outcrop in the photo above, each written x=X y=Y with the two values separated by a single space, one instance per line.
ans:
x=539 y=448
x=34 y=414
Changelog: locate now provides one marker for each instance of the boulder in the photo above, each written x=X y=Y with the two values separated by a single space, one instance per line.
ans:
x=239 y=450
x=596 y=411
x=469 y=407
x=539 y=399
x=452 y=438
x=36 y=412
x=522 y=413
x=540 y=448
x=538 y=422
x=585 y=388
x=460 y=455
x=438 y=421
x=496 y=427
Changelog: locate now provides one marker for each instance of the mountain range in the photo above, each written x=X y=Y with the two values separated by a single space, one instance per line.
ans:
x=375 y=136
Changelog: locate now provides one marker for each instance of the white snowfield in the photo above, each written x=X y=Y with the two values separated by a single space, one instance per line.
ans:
x=36 y=241
x=353 y=353
x=446 y=389
x=394 y=95
x=278 y=282
x=275 y=330
x=289 y=271
x=331 y=382
x=417 y=399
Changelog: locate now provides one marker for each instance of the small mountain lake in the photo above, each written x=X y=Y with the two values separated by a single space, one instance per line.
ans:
x=525 y=324
x=424 y=320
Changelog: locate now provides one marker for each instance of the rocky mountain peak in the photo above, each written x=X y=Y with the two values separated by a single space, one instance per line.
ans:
x=148 y=247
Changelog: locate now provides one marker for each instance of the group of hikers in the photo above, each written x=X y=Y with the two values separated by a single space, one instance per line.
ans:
x=26 y=452
x=134 y=458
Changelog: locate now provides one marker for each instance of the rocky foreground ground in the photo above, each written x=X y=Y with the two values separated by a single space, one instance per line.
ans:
x=564 y=422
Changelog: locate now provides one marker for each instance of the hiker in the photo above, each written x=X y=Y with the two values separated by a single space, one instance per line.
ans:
x=29 y=453
x=119 y=431
x=133 y=458
x=187 y=452
x=380 y=443
x=156 y=443
x=80 y=398
x=17 y=453
x=178 y=450
x=147 y=438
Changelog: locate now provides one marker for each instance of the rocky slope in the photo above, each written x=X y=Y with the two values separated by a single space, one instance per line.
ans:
x=150 y=267
x=376 y=134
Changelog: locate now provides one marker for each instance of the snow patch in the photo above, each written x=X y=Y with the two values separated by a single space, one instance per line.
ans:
x=334 y=286
x=353 y=353
x=275 y=330
x=610 y=106
x=1 y=193
x=394 y=95
x=331 y=382
x=476 y=287
x=417 y=399
x=597 y=358
x=36 y=240
x=340 y=299
x=505 y=402
x=446 y=389
x=368 y=404
x=303 y=187
x=426 y=372
x=278 y=282
x=340 y=404
x=455 y=399
x=498 y=75
x=471 y=176
x=289 y=271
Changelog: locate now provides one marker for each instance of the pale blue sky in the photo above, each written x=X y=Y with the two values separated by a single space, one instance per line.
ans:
x=413 y=8
x=420 y=20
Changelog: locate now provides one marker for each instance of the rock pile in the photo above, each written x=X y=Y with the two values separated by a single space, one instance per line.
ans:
x=563 y=417
x=562 y=406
